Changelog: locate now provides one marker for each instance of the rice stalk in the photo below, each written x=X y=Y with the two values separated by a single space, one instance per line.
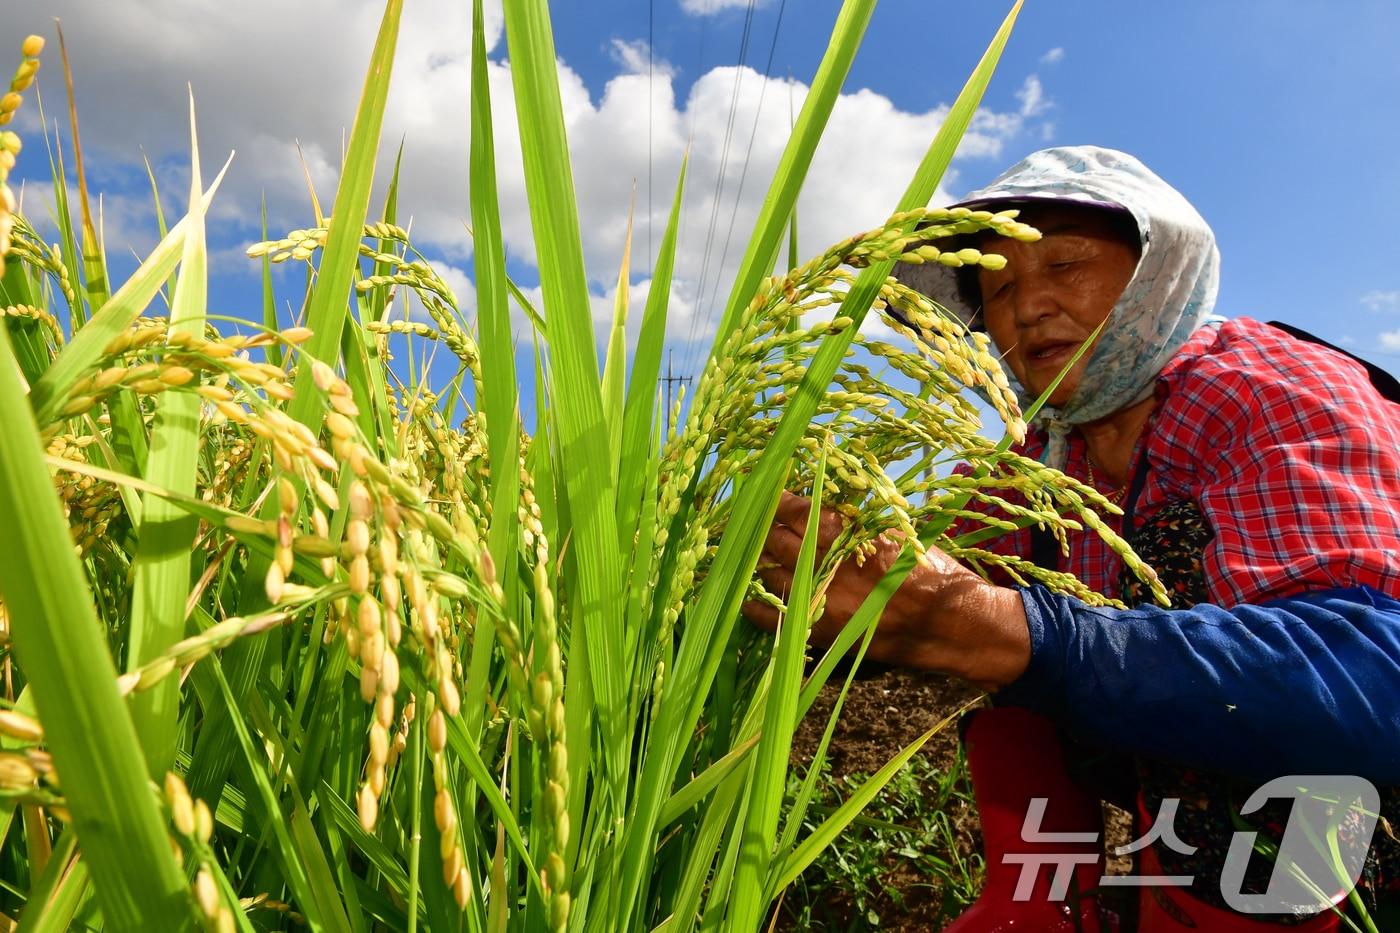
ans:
x=433 y=668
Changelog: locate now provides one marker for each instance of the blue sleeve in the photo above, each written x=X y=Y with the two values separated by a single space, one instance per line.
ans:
x=1304 y=685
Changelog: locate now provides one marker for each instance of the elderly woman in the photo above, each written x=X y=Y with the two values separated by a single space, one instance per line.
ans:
x=1259 y=474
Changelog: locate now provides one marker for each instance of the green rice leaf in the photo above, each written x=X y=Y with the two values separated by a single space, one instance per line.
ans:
x=499 y=393
x=722 y=883
x=269 y=299
x=59 y=645
x=379 y=295
x=94 y=258
x=467 y=752
x=639 y=417
x=78 y=312
x=53 y=896
x=798 y=811
x=826 y=833
x=365 y=370
x=48 y=396
x=328 y=305
x=715 y=613
x=525 y=305
x=779 y=719
x=30 y=345
x=373 y=850
x=781 y=200
x=161 y=570
x=499 y=401
x=615 y=363
x=698 y=787
x=321 y=907
x=160 y=215
x=702 y=847
x=573 y=362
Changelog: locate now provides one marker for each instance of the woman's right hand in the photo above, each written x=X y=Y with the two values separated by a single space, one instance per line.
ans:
x=942 y=617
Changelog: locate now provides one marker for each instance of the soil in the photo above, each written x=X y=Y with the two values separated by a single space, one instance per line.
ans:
x=883 y=713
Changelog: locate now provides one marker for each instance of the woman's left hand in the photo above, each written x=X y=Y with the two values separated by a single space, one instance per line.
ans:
x=942 y=617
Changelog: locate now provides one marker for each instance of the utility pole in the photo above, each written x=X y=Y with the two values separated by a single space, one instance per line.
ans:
x=670 y=379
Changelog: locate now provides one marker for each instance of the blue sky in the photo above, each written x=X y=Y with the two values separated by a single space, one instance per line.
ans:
x=1276 y=119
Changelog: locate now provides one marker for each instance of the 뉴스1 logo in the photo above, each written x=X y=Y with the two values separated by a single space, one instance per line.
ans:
x=1316 y=866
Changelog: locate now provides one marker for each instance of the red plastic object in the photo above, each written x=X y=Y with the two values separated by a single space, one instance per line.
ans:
x=1016 y=759
x=1172 y=910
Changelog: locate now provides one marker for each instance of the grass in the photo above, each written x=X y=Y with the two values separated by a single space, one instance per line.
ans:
x=296 y=636
x=906 y=862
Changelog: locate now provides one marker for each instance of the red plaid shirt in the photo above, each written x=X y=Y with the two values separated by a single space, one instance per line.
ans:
x=1290 y=453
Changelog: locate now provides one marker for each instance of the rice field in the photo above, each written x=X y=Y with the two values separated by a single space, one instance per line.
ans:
x=294 y=637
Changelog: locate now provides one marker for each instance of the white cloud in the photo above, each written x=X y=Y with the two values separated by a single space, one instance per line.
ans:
x=264 y=75
x=1053 y=57
x=680 y=307
x=1376 y=300
x=706 y=7
x=461 y=285
x=407 y=306
x=1390 y=340
x=633 y=58
x=262 y=82
x=1032 y=97
x=124 y=222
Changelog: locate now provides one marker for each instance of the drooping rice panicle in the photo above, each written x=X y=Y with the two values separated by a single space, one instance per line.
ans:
x=390 y=701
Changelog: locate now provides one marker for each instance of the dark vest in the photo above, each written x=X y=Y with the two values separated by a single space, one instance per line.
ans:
x=1172 y=541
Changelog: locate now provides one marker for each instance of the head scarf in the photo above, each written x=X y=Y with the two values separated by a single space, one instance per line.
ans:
x=1171 y=294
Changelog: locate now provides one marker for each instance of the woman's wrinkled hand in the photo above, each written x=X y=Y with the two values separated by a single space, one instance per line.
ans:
x=942 y=617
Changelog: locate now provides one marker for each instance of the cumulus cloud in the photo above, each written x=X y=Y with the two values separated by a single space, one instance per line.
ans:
x=461 y=285
x=124 y=221
x=680 y=307
x=1376 y=300
x=1032 y=97
x=1053 y=57
x=266 y=77
x=635 y=58
x=707 y=7
x=1390 y=340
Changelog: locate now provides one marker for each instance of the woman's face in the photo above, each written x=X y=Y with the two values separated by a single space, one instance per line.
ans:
x=1054 y=292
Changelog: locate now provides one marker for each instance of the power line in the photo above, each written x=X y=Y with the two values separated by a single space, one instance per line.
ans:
x=690 y=131
x=699 y=63
x=651 y=112
x=723 y=166
x=739 y=195
x=669 y=380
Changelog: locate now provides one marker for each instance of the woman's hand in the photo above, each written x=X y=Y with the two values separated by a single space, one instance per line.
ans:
x=942 y=617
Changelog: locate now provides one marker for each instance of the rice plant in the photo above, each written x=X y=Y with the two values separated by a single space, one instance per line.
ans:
x=294 y=637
